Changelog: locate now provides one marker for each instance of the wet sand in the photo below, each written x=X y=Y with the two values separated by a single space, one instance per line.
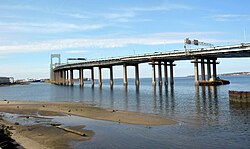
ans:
x=84 y=110
x=42 y=136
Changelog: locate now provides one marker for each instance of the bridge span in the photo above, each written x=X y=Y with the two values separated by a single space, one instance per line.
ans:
x=62 y=74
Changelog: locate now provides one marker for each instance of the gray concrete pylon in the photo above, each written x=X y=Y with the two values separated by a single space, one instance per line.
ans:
x=171 y=73
x=125 y=77
x=159 y=73
x=54 y=77
x=80 y=76
x=214 y=69
x=202 y=70
x=92 y=76
x=153 y=72
x=67 y=77
x=165 y=73
x=63 y=77
x=71 y=77
x=111 y=76
x=196 y=72
x=137 y=82
x=60 y=77
x=57 y=77
x=208 y=69
x=100 y=76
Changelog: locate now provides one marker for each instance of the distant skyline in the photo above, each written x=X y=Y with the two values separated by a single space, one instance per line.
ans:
x=32 y=30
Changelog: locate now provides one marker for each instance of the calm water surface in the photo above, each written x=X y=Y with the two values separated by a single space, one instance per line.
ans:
x=206 y=118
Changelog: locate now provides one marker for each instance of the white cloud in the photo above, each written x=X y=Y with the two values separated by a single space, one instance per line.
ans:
x=77 y=15
x=77 y=51
x=17 y=7
x=119 y=15
x=230 y=17
x=47 y=27
x=165 y=7
x=66 y=44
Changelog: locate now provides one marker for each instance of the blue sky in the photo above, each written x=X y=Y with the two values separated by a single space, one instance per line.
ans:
x=31 y=30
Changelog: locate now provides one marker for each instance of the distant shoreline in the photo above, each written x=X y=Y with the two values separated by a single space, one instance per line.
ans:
x=230 y=74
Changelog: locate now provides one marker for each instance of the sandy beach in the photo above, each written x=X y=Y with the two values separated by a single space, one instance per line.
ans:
x=47 y=137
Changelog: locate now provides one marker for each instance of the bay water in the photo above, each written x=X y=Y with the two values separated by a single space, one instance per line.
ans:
x=205 y=117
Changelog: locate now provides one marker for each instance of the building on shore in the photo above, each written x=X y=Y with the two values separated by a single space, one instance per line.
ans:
x=6 y=80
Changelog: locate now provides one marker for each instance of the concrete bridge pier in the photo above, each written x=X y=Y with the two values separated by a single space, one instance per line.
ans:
x=196 y=72
x=55 y=77
x=171 y=72
x=165 y=73
x=100 y=76
x=125 y=75
x=71 y=77
x=202 y=70
x=64 y=77
x=137 y=81
x=67 y=77
x=153 y=73
x=92 y=76
x=60 y=77
x=214 y=68
x=203 y=73
x=159 y=73
x=81 y=77
x=111 y=76
x=208 y=69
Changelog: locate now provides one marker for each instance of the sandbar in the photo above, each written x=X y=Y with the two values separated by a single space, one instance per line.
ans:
x=42 y=137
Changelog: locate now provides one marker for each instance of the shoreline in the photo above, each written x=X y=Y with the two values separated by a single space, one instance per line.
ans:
x=47 y=136
x=82 y=110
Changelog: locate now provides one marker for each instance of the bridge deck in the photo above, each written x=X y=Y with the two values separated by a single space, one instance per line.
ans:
x=232 y=51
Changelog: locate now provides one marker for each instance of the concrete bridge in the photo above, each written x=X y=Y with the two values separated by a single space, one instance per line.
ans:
x=63 y=73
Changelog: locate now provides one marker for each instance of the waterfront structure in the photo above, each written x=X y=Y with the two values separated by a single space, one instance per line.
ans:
x=239 y=96
x=6 y=80
x=63 y=73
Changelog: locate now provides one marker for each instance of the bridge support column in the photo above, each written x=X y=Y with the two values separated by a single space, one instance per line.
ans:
x=196 y=72
x=137 y=81
x=214 y=69
x=208 y=69
x=55 y=77
x=92 y=76
x=171 y=73
x=159 y=73
x=67 y=77
x=202 y=70
x=81 y=77
x=153 y=72
x=111 y=75
x=64 y=77
x=100 y=76
x=125 y=77
x=60 y=77
x=165 y=73
x=71 y=77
